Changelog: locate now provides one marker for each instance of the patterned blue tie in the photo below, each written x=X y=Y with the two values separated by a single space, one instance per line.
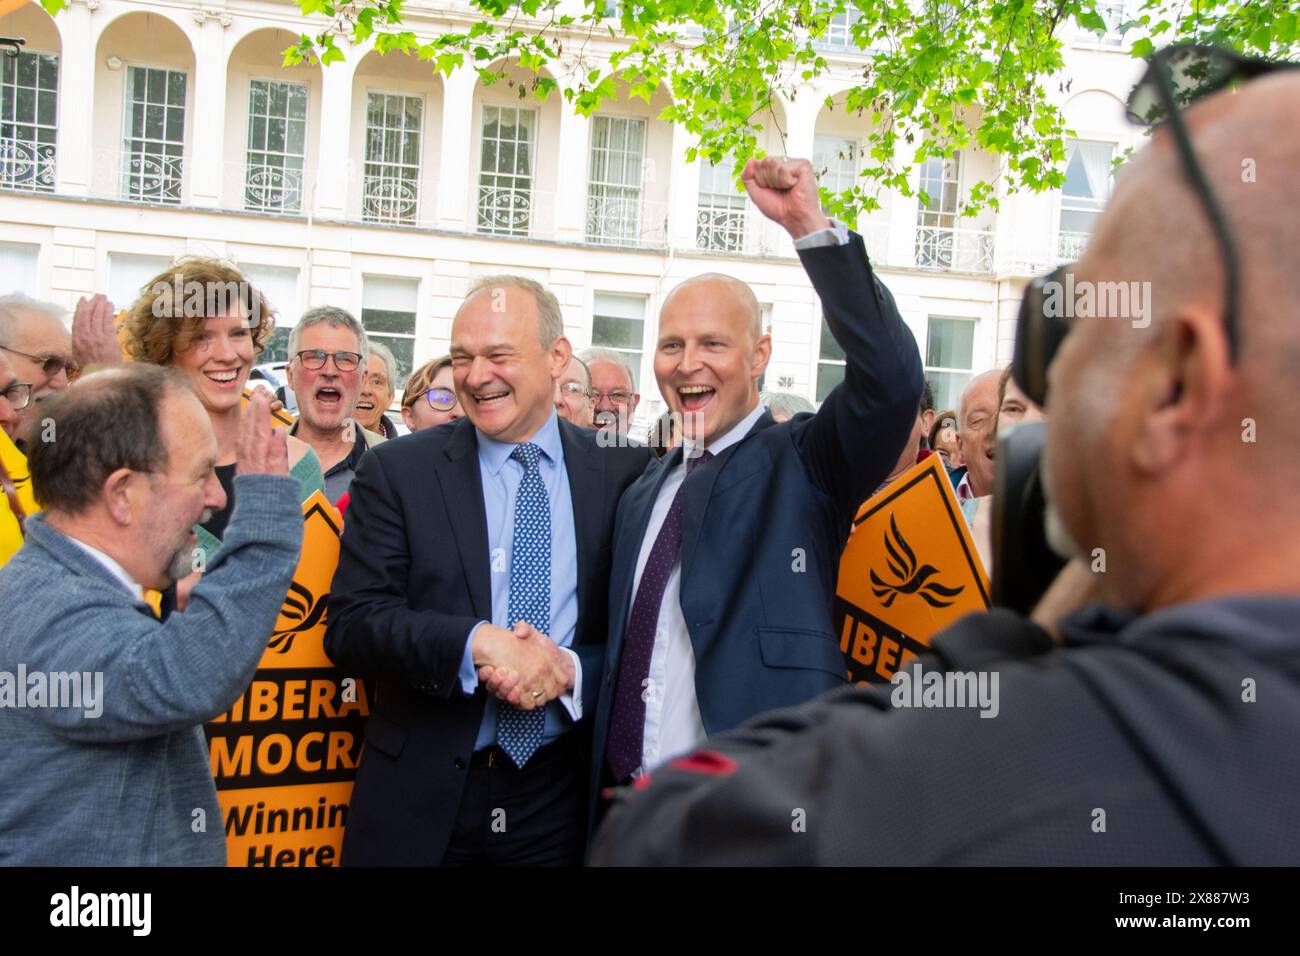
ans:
x=519 y=732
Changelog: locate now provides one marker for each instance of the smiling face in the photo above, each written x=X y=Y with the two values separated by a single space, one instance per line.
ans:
x=618 y=399
x=327 y=398
x=218 y=363
x=505 y=379
x=376 y=394
x=979 y=407
x=44 y=337
x=419 y=414
x=573 y=395
x=709 y=356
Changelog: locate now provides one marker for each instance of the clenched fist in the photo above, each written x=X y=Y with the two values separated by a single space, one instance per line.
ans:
x=785 y=191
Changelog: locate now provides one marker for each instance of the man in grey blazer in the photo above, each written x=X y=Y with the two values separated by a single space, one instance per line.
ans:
x=101 y=703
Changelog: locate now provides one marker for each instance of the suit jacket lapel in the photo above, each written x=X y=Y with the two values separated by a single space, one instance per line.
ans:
x=462 y=488
x=586 y=471
x=701 y=489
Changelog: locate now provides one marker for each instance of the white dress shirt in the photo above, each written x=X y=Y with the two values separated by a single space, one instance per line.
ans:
x=672 y=712
x=115 y=569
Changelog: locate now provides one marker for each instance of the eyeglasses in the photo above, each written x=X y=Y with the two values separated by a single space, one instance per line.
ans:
x=51 y=365
x=314 y=359
x=1176 y=77
x=617 y=397
x=575 y=390
x=17 y=396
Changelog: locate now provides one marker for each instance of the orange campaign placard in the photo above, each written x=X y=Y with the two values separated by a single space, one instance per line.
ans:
x=285 y=755
x=909 y=570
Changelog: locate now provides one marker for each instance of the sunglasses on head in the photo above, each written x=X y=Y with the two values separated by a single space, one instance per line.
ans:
x=1176 y=77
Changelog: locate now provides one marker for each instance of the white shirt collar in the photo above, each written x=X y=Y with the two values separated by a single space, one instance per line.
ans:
x=113 y=567
x=737 y=432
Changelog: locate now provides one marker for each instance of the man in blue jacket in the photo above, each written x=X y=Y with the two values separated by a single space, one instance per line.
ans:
x=101 y=704
x=722 y=583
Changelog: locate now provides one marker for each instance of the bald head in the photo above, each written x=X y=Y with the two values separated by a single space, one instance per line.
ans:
x=1153 y=457
x=715 y=284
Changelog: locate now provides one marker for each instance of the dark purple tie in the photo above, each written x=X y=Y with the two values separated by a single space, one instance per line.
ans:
x=627 y=727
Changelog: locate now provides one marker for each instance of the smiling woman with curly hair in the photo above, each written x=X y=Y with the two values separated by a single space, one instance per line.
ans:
x=202 y=317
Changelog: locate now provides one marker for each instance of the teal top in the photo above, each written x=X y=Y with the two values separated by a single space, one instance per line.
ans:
x=307 y=472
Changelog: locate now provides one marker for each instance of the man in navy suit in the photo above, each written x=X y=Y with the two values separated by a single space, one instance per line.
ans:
x=475 y=566
x=722 y=584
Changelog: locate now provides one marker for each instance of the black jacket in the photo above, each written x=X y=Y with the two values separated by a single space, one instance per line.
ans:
x=1176 y=730
x=412 y=581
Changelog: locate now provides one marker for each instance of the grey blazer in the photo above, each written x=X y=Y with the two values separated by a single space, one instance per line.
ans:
x=122 y=778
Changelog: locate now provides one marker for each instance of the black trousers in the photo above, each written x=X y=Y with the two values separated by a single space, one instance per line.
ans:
x=529 y=817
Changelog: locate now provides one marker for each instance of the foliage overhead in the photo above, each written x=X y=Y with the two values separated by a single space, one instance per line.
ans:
x=928 y=77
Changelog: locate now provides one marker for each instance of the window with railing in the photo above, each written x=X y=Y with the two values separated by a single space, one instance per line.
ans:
x=618 y=323
x=154 y=138
x=720 y=221
x=936 y=234
x=614 y=180
x=1087 y=185
x=391 y=186
x=29 y=100
x=505 y=184
x=277 y=146
x=949 y=357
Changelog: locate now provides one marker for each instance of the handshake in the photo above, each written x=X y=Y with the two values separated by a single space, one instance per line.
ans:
x=521 y=666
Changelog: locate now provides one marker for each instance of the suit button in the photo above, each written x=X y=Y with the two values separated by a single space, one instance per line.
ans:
x=460 y=764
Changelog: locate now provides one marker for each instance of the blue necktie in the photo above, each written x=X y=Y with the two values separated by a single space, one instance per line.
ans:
x=519 y=732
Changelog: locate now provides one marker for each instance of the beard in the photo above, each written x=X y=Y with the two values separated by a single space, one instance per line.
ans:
x=182 y=562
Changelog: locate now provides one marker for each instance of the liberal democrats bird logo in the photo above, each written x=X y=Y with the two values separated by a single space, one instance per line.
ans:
x=308 y=612
x=911 y=580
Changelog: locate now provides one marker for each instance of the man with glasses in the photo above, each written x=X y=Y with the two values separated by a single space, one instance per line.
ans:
x=35 y=340
x=14 y=396
x=612 y=387
x=573 y=394
x=1159 y=727
x=327 y=354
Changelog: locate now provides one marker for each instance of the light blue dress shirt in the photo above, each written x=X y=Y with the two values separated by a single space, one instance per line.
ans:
x=501 y=476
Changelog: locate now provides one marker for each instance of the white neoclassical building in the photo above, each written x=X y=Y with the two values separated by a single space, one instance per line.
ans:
x=135 y=131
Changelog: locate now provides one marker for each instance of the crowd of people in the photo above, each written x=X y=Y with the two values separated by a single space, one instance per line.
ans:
x=558 y=614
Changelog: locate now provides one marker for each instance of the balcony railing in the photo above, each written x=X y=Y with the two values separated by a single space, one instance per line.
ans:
x=26 y=165
x=1069 y=246
x=954 y=250
x=721 y=228
x=621 y=216
x=273 y=189
x=505 y=210
x=152 y=177
x=388 y=199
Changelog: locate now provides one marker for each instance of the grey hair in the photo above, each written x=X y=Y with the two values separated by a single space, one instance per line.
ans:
x=600 y=354
x=550 y=321
x=786 y=402
x=334 y=317
x=17 y=302
x=390 y=363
